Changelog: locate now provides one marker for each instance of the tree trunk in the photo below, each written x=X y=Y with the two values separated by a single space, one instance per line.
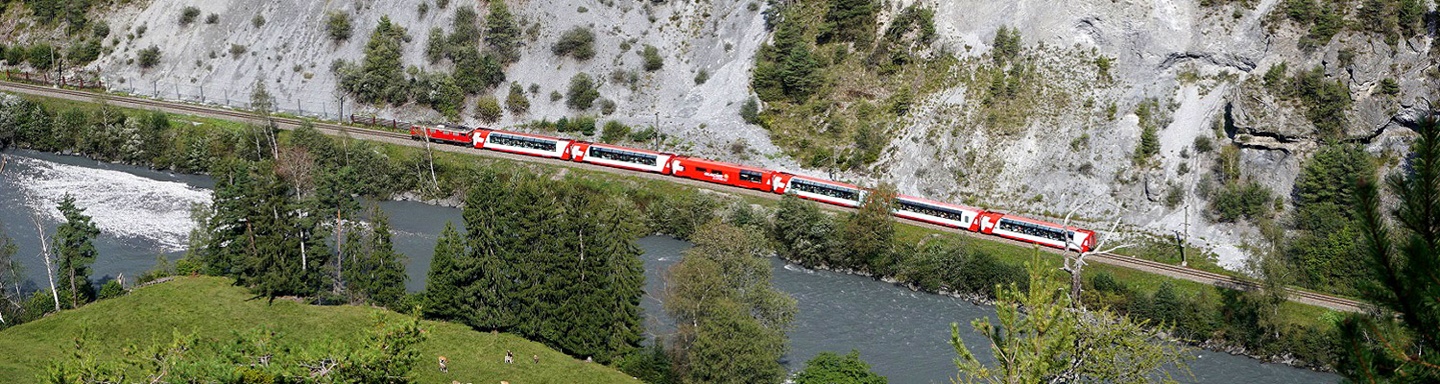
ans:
x=49 y=270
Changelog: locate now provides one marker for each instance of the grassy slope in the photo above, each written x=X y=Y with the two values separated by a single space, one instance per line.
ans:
x=212 y=307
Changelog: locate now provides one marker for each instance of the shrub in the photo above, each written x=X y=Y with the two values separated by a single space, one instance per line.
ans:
x=750 y=111
x=644 y=135
x=140 y=30
x=487 y=109
x=1006 y=46
x=338 y=26
x=100 y=29
x=236 y=50
x=502 y=36
x=422 y=9
x=578 y=42
x=614 y=131
x=1249 y=199
x=442 y=3
x=582 y=93
x=1174 y=195
x=188 y=15
x=516 y=101
x=701 y=77
x=42 y=56
x=257 y=21
x=212 y=19
x=653 y=61
x=16 y=55
x=1203 y=144
x=436 y=45
x=607 y=107
x=83 y=52
x=111 y=289
x=1389 y=86
x=555 y=96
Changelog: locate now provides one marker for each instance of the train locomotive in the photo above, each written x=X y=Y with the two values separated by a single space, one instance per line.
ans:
x=760 y=179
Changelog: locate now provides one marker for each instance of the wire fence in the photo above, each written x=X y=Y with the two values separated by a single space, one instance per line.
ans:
x=315 y=104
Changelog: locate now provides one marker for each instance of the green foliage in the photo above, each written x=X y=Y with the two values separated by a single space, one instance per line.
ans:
x=339 y=28
x=436 y=46
x=188 y=15
x=49 y=12
x=1149 y=143
x=849 y=21
x=74 y=250
x=111 y=289
x=1006 y=46
x=731 y=322
x=15 y=54
x=578 y=42
x=83 y=52
x=380 y=78
x=702 y=76
x=371 y=270
x=257 y=21
x=1048 y=341
x=614 y=132
x=1241 y=199
x=786 y=69
x=750 y=111
x=869 y=233
x=466 y=30
x=1203 y=144
x=1326 y=102
x=1388 y=86
x=1390 y=344
x=830 y=368
x=572 y=281
x=679 y=214
x=582 y=93
x=148 y=57
x=487 y=109
x=653 y=61
x=502 y=36
x=10 y=281
x=212 y=18
x=516 y=101
x=1327 y=220
x=802 y=233
x=42 y=56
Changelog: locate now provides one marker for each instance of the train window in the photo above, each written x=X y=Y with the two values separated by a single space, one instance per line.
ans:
x=623 y=156
x=1036 y=230
x=713 y=171
x=926 y=209
x=827 y=190
x=522 y=142
x=751 y=176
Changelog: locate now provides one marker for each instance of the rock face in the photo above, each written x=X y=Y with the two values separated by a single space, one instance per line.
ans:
x=1200 y=66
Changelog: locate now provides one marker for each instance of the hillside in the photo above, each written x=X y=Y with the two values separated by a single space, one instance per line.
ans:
x=1057 y=127
x=212 y=308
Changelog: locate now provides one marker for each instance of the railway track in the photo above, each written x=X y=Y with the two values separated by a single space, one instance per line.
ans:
x=1174 y=271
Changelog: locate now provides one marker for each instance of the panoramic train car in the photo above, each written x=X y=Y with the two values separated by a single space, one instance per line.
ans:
x=934 y=212
x=1038 y=232
x=817 y=189
x=524 y=144
x=621 y=157
x=442 y=133
x=722 y=173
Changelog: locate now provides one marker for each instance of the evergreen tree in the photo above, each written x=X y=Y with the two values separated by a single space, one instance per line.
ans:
x=502 y=36
x=375 y=273
x=74 y=244
x=489 y=214
x=850 y=21
x=381 y=78
x=444 y=284
x=831 y=368
x=263 y=236
x=1393 y=344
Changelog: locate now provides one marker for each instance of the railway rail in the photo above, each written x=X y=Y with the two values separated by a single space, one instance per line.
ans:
x=1174 y=271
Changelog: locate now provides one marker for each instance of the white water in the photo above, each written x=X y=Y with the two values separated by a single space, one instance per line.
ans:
x=119 y=203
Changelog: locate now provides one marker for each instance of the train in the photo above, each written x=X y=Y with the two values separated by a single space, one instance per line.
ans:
x=817 y=189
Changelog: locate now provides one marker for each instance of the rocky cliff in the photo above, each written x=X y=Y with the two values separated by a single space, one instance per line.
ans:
x=1100 y=73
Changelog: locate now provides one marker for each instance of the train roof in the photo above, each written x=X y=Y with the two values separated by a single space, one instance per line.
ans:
x=937 y=203
x=446 y=127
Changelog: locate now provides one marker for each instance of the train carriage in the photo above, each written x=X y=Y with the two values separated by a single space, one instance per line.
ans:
x=722 y=173
x=442 y=133
x=524 y=144
x=1038 y=232
x=818 y=189
x=934 y=212
x=621 y=157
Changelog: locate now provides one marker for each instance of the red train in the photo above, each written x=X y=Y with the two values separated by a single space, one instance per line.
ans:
x=743 y=176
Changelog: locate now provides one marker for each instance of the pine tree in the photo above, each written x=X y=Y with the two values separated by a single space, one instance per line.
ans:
x=445 y=283
x=1394 y=344
x=375 y=273
x=502 y=36
x=488 y=218
x=75 y=247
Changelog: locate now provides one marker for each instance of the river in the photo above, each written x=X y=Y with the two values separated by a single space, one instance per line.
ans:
x=902 y=334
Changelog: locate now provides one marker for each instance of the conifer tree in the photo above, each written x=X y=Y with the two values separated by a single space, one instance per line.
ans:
x=375 y=273
x=502 y=36
x=445 y=283
x=75 y=247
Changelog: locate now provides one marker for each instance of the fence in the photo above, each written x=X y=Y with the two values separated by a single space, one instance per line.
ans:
x=310 y=100
x=45 y=78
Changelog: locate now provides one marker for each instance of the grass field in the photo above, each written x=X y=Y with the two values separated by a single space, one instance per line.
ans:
x=211 y=307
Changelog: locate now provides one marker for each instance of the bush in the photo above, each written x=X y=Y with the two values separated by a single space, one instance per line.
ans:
x=578 y=42
x=653 y=61
x=516 y=101
x=1249 y=199
x=100 y=29
x=338 y=26
x=257 y=21
x=582 y=93
x=607 y=107
x=750 y=111
x=644 y=135
x=1006 y=46
x=111 y=289
x=555 y=96
x=1389 y=86
x=42 y=56
x=701 y=77
x=188 y=15
x=83 y=52
x=1203 y=144
x=236 y=50
x=487 y=109
x=212 y=19
x=614 y=132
